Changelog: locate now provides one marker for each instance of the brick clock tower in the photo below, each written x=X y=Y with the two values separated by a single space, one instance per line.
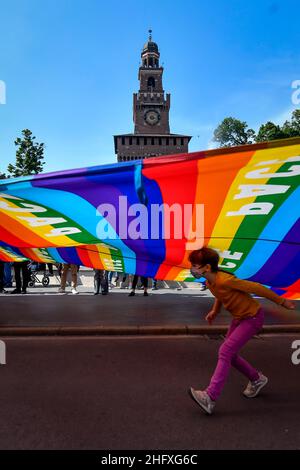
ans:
x=151 y=108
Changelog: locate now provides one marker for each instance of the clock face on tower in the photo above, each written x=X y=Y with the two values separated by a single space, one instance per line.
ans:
x=152 y=117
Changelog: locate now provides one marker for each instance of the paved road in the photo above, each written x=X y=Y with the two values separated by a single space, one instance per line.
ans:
x=131 y=393
x=161 y=308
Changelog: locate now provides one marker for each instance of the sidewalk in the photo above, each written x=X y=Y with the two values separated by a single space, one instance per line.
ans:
x=44 y=312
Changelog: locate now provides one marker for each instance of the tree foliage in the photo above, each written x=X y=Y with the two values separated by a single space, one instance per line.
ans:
x=270 y=131
x=233 y=132
x=29 y=156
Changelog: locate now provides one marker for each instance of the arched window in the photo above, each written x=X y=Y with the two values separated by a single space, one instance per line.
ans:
x=151 y=83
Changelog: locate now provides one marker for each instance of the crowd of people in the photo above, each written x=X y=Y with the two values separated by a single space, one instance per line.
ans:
x=23 y=274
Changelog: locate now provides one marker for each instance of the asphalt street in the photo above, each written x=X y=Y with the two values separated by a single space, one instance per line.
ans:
x=131 y=393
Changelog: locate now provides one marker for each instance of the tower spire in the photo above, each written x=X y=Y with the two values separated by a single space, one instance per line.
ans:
x=150 y=53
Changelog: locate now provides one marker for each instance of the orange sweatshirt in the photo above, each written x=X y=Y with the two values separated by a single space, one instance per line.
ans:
x=235 y=295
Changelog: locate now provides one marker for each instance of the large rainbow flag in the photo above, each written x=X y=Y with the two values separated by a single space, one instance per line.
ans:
x=246 y=198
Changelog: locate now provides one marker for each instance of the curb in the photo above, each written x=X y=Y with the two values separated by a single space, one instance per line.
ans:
x=135 y=330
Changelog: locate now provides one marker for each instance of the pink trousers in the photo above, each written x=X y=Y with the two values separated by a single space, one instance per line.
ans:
x=239 y=333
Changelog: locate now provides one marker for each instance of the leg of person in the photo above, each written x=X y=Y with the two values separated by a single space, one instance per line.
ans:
x=201 y=397
x=104 y=283
x=25 y=276
x=241 y=333
x=118 y=282
x=134 y=284
x=239 y=362
x=145 y=284
x=7 y=275
x=257 y=380
x=97 y=278
x=1 y=276
x=63 y=280
x=59 y=269
x=124 y=279
x=110 y=279
x=135 y=281
x=42 y=267
x=50 y=268
x=17 y=269
x=74 y=274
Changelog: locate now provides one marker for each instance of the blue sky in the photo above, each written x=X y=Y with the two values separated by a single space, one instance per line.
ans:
x=70 y=68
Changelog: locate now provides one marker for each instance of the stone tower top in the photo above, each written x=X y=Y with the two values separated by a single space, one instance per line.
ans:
x=150 y=53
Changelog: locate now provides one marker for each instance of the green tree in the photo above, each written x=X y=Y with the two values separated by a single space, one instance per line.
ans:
x=29 y=156
x=270 y=131
x=2 y=176
x=292 y=128
x=232 y=132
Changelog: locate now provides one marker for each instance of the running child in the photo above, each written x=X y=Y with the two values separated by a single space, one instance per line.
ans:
x=248 y=318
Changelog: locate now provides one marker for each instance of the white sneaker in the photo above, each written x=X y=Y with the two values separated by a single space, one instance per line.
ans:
x=61 y=291
x=203 y=399
x=253 y=388
x=74 y=291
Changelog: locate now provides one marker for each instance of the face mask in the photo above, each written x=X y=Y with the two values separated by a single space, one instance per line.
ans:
x=196 y=273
